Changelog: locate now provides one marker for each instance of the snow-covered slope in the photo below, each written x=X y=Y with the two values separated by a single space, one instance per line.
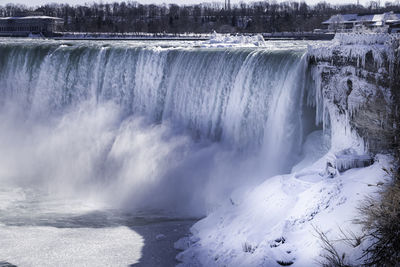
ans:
x=274 y=224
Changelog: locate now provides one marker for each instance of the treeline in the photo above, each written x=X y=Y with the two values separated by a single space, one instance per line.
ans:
x=263 y=16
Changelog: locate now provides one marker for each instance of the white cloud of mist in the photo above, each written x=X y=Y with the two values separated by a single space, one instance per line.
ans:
x=94 y=152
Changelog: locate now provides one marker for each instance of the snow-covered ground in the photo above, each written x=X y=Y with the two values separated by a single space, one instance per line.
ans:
x=274 y=223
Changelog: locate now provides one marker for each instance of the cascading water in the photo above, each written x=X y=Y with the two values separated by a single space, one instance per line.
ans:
x=148 y=127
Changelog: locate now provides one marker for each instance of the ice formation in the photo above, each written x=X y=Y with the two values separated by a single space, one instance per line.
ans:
x=350 y=46
x=345 y=84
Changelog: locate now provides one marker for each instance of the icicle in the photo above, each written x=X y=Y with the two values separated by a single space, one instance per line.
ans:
x=345 y=162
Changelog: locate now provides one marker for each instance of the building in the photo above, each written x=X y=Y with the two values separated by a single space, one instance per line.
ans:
x=24 y=26
x=387 y=22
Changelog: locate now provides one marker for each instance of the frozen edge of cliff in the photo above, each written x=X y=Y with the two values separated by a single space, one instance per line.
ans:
x=344 y=62
x=357 y=45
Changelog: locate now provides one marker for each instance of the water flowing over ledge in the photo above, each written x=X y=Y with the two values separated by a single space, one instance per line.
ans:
x=138 y=120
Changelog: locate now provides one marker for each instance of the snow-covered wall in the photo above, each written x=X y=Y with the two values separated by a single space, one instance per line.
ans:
x=357 y=77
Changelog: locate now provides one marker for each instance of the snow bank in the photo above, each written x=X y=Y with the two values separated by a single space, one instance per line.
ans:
x=365 y=38
x=274 y=223
x=356 y=46
x=227 y=40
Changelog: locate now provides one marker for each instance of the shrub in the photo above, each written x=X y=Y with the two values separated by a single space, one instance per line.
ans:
x=381 y=222
x=380 y=219
x=331 y=256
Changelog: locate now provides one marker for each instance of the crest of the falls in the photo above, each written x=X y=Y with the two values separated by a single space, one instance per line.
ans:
x=148 y=127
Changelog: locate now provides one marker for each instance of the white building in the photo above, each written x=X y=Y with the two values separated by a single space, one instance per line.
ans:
x=23 y=26
x=388 y=22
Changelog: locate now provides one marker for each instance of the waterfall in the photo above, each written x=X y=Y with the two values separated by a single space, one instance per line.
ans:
x=148 y=127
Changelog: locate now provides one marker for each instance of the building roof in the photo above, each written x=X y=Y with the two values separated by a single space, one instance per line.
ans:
x=349 y=17
x=341 y=18
x=30 y=18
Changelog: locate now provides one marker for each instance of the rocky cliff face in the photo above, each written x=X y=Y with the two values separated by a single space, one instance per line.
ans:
x=358 y=81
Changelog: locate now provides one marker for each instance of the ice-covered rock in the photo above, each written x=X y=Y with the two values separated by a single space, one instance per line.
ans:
x=344 y=160
x=357 y=79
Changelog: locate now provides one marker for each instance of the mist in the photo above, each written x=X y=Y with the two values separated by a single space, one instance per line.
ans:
x=164 y=135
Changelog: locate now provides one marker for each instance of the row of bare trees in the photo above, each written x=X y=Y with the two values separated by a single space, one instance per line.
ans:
x=262 y=16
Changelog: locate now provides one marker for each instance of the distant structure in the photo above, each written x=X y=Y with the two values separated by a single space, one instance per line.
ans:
x=386 y=22
x=25 y=26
